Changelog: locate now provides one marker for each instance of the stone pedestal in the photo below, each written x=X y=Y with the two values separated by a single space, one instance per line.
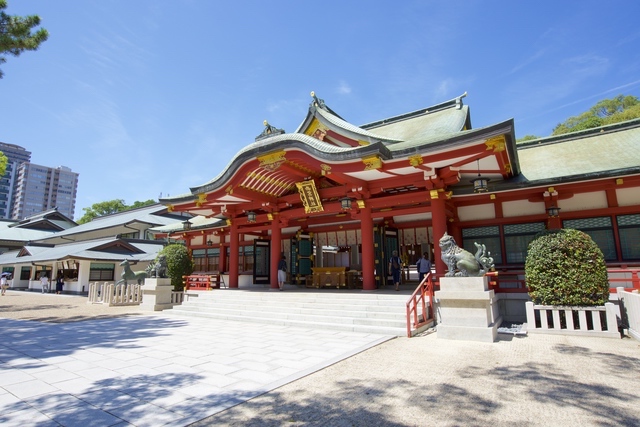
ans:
x=156 y=294
x=467 y=309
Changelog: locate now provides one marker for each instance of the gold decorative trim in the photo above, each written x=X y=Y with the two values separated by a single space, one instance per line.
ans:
x=619 y=181
x=229 y=189
x=326 y=169
x=372 y=162
x=229 y=221
x=433 y=194
x=269 y=216
x=507 y=168
x=363 y=143
x=268 y=180
x=497 y=144
x=202 y=198
x=272 y=161
x=170 y=208
x=415 y=160
x=361 y=204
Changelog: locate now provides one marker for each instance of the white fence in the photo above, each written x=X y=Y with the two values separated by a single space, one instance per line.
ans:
x=588 y=321
x=177 y=298
x=108 y=293
x=630 y=311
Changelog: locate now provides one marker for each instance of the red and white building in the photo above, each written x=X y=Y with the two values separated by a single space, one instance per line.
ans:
x=334 y=194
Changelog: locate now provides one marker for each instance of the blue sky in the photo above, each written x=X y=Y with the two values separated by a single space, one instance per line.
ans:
x=151 y=97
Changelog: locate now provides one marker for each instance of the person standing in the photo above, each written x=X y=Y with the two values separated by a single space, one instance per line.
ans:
x=59 y=283
x=423 y=266
x=282 y=272
x=44 y=282
x=395 y=264
x=4 y=284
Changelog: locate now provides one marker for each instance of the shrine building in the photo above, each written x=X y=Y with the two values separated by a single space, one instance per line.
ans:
x=337 y=198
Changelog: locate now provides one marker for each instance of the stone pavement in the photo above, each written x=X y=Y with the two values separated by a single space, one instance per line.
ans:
x=152 y=370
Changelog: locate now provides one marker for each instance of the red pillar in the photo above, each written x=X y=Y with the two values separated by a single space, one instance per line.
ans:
x=439 y=224
x=276 y=251
x=222 y=264
x=234 y=259
x=368 y=255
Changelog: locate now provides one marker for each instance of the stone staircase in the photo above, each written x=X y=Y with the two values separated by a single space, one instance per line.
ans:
x=379 y=312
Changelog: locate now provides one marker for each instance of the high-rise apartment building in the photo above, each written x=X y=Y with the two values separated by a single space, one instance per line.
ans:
x=15 y=155
x=39 y=188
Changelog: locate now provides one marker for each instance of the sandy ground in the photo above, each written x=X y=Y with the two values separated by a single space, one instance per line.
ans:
x=534 y=380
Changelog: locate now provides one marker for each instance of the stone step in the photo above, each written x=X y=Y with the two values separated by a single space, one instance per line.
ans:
x=383 y=330
x=326 y=309
x=376 y=312
x=397 y=321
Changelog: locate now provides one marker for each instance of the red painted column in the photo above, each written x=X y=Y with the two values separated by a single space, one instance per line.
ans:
x=368 y=254
x=439 y=224
x=222 y=264
x=234 y=258
x=276 y=251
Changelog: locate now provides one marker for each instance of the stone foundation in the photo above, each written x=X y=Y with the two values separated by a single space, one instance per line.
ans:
x=467 y=309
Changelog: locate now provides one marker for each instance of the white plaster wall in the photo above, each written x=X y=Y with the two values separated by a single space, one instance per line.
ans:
x=472 y=213
x=628 y=196
x=522 y=208
x=584 y=201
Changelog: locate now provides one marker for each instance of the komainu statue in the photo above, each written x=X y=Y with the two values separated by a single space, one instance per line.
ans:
x=158 y=269
x=462 y=263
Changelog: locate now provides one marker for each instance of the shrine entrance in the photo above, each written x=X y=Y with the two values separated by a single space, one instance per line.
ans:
x=261 y=262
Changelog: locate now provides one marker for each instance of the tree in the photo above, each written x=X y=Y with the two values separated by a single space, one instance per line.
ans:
x=605 y=112
x=3 y=163
x=527 y=138
x=179 y=263
x=566 y=267
x=110 y=207
x=16 y=35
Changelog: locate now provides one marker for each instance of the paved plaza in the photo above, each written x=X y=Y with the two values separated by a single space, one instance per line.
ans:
x=67 y=363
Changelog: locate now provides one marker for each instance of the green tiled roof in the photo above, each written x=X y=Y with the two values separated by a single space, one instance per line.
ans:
x=610 y=148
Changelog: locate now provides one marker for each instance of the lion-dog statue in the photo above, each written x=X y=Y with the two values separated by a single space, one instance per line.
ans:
x=462 y=263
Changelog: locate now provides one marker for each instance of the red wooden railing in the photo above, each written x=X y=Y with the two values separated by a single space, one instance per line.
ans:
x=513 y=281
x=420 y=306
x=201 y=282
x=625 y=277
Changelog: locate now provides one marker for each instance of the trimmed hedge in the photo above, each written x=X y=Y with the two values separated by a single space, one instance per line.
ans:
x=179 y=263
x=566 y=267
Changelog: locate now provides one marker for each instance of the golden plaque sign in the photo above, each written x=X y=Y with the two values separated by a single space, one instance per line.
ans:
x=309 y=196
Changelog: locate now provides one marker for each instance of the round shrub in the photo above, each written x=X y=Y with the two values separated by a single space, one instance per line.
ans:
x=566 y=267
x=179 y=263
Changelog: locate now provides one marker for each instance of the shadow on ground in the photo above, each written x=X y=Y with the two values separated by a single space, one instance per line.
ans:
x=38 y=341
x=521 y=393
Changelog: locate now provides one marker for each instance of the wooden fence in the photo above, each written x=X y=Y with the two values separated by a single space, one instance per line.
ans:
x=114 y=295
x=589 y=321
x=630 y=311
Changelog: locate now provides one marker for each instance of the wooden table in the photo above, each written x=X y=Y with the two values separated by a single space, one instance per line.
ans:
x=328 y=277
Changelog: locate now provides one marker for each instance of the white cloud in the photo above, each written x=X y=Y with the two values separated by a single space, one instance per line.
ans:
x=343 y=88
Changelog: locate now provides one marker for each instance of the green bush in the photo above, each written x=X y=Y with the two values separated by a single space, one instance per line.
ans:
x=566 y=267
x=179 y=264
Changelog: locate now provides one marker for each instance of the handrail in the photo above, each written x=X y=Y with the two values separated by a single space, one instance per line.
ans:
x=628 y=275
x=418 y=300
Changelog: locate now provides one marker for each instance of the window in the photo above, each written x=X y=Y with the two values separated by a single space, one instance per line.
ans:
x=517 y=238
x=25 y=273
x=629 y=229
x=601 y=231
x=488 y=236
x=102 y=271
x=199 y=260
x=213 y=257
